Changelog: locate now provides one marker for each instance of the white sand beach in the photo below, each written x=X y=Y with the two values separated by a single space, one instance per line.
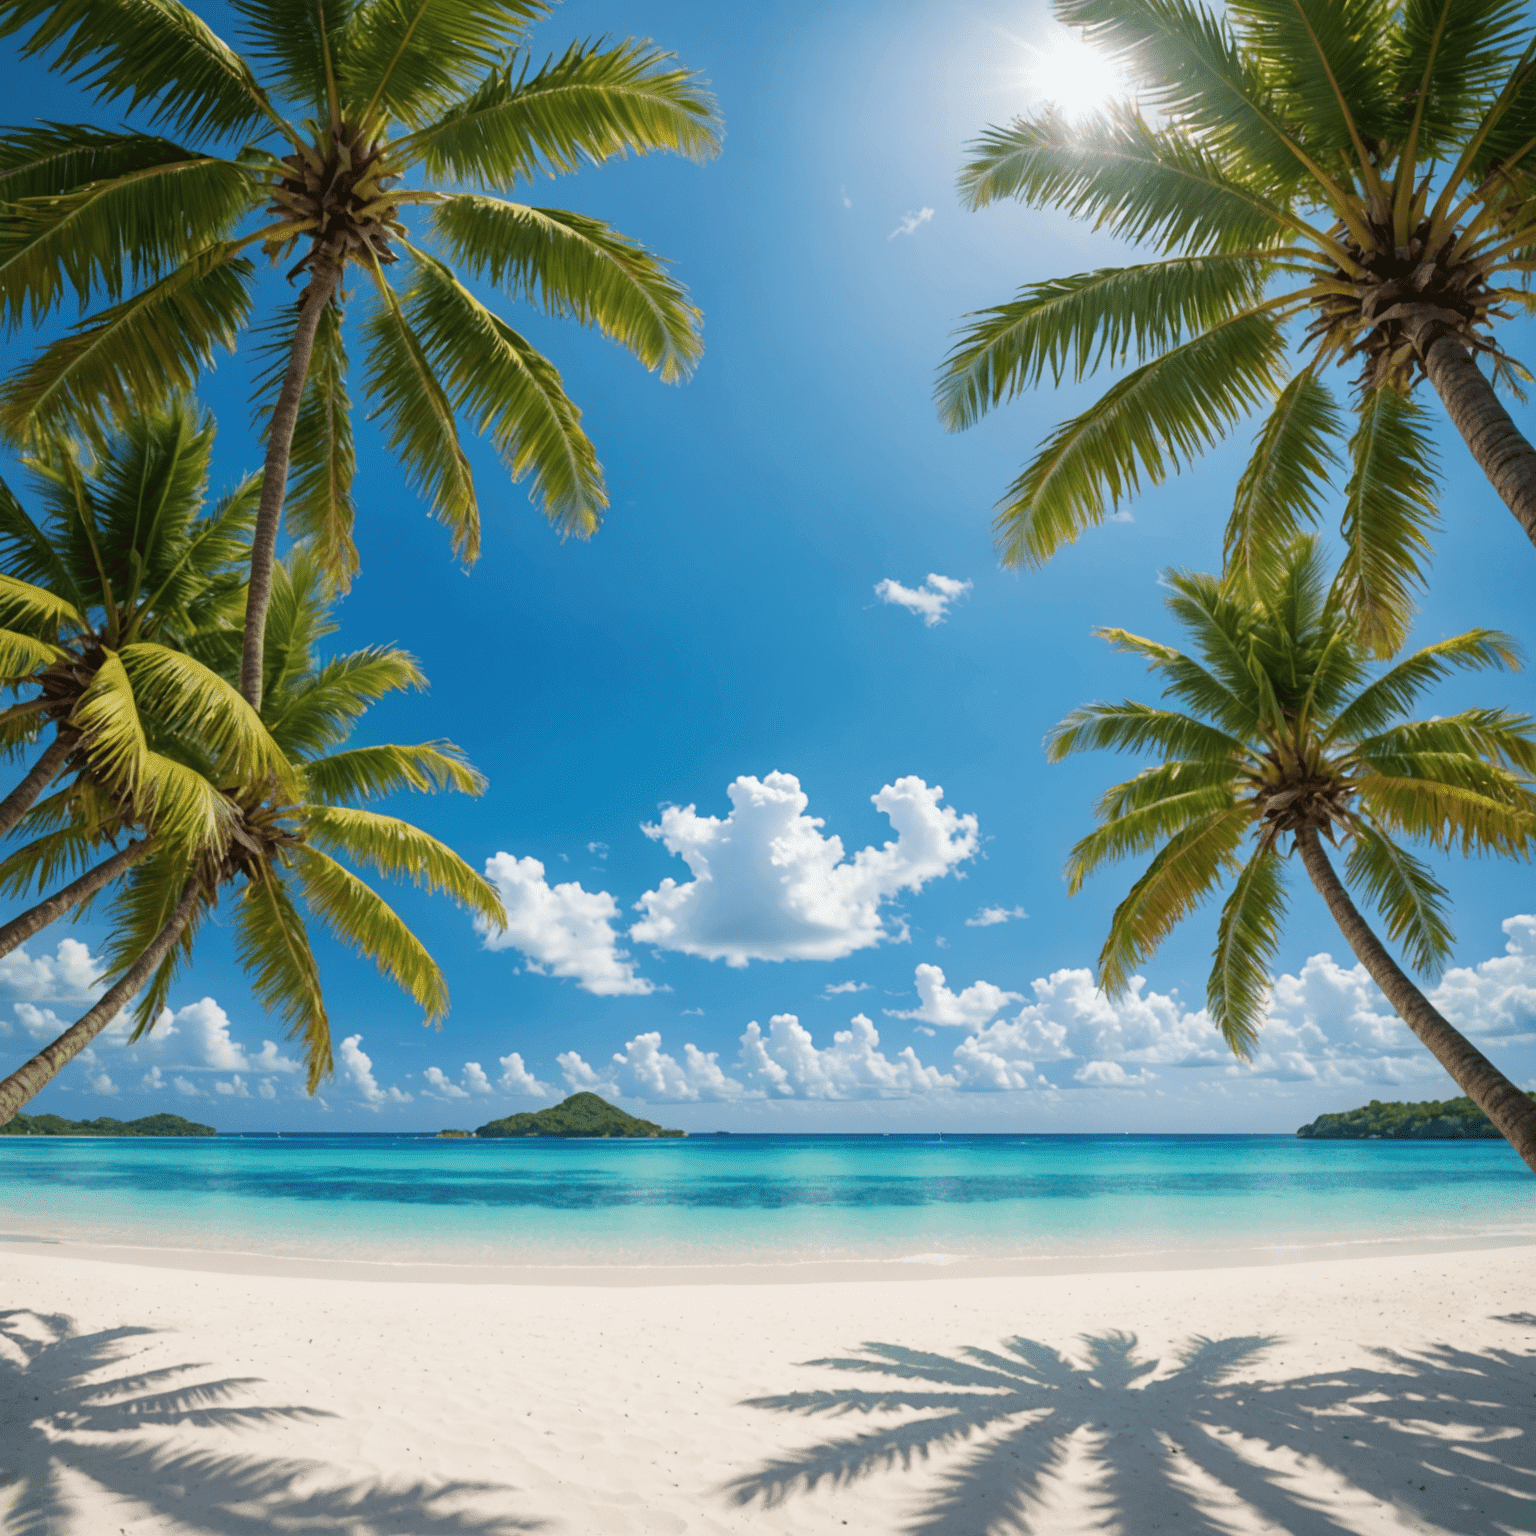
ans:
x=1371 y=1394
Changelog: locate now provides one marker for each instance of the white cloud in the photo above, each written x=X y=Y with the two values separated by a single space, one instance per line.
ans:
x=786 y=1063
x=1110 y=1074
x=186 y=1088
x=600 y=849
x=930 y=601
x=100 y=1082
x=235 y=1088
x=768 y=886
x=989 y=917
x=843 y=193
x=267 y=1088
x=204 y=1030
x=910 y=223
x=70 y=975
x=441 y=1087
x=968 y=1009
x=474 y=1078
x=1496 y=997
x=841 y=988
x=516 y=1078
x=152 y=1081
x=358 y=1066
x=561 y=930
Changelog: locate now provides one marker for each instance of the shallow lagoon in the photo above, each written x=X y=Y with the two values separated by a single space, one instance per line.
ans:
x=760 y=1199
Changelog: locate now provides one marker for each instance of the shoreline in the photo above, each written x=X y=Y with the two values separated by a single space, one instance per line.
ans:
x=836 y=1272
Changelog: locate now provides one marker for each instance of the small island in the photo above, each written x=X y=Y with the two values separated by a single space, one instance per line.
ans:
x=583 y=1114
x=150 y=1125
x=1433 y=1120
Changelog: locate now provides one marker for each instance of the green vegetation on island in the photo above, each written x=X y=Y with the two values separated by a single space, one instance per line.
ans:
x=1432 y=1120
x=150 y=1125
x=583 y=1114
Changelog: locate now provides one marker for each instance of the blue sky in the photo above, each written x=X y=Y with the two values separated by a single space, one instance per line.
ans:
x=725 y=623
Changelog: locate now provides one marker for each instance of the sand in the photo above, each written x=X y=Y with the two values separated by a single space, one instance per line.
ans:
x=1373 y=1394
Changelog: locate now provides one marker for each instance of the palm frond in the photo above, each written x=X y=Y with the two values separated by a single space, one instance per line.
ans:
x=402 y=852
x=512 y=392
x=273 y=947
x=190 y=701
x=592 y=104
x=1130 y=181
x=113 y=234
x=1169 y=803
x=134 y=353
x=408 y=59
x=157 y=53
x=1283 y=481
x=1189 y=868
x=1487 y=735
x=1234 y=711
x=1455 y=56
x=1388 y=516
x=21 y=657
x=36 y=612
x=171 y=798
x=1396 y=690
x=41 y=863
x=579 y=268
x=1247 y=940
x=27 y=552
x=1451 y=803
x=1155 y=420
x=295 y=45
x=318 y=712
x=1071 y=325
x=365 y=923
x=47 y=159
x=1132 y=727
x=418 y=417
x=371 y=773
x=1408 y=896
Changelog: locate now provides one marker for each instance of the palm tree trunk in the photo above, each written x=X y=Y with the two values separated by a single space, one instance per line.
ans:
x=1512 y=1112
x=42 y=774
x=1501 y=451
x=27 y=1081
x=20 y=929
x=274 y=480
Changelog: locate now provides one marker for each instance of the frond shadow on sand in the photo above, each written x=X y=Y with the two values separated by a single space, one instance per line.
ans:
x=1439 y=1439
x=67 y=1411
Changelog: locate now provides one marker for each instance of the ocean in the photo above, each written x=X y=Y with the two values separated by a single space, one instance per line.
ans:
x=763 y=1200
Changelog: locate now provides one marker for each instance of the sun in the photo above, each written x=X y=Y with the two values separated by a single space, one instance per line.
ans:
x=1071 y=76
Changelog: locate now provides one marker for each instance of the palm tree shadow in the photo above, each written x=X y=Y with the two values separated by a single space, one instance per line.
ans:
x=63 y=1416
x=1441 y=1436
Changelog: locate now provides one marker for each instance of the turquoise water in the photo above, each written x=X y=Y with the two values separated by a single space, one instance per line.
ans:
x=758 y=1199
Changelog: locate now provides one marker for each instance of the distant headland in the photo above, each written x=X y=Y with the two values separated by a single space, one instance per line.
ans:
x=1432 y=1120
x=583 y=1114
x=150 y=1125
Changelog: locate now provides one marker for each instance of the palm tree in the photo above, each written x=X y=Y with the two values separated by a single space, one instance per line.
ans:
x=101 y=597
x=282 y=848
x=1323 y=182
x=1288 y=741
x=396 y=104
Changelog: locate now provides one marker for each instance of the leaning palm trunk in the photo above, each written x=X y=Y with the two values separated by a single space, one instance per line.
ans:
x=274 y=480
x=27 y=1081
x=1512 y=1111
x=50 y=910
x=1498 y=445
x=42 y=773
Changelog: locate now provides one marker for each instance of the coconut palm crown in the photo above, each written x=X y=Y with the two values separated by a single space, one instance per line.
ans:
x=316 y=146
x=1323 y=182
x=1285 y=741
x=289 y=855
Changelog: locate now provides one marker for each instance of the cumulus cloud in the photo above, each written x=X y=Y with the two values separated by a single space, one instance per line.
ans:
x=968 y=1009
x=100 y=1083
x=930 y=601
x=71 y=974
x=186 y=1087
x=234 y=1088
x=842 y=988
x=516 y=1078
x=441 y=1087
x=910 y=224
x=1110 y=1074
x=989 y=917
x=768 y=886
x=203 y=1031
x=358 y=1067
x=561 y=930
x=474 y=1078
x=267 y=1088
x=784 y=1063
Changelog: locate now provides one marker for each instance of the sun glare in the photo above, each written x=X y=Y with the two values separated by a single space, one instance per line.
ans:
x=1075 y=78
